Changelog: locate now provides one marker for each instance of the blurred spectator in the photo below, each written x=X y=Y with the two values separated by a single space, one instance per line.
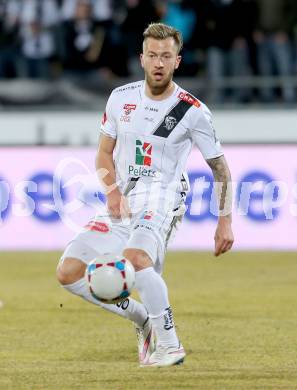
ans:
x=137 y=15
x=274 y=52
x=68 y=9
x=9 y=18
x=92 y=44
x=92 y=40
x=228 y=30
x=38 y=19
x=101 y=9
x=82 y=38
x=181 y=15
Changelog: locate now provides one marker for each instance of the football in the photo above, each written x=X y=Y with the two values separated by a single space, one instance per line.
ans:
x=110 y=278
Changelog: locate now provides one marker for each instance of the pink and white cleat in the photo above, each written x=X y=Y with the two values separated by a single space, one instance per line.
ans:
x=146 y=341
x=166 y=356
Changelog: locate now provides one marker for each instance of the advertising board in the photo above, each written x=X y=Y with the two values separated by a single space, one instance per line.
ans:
x=48 y=193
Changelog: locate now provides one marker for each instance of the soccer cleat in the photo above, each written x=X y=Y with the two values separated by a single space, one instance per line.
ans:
x=146 y=341
x=166 y=356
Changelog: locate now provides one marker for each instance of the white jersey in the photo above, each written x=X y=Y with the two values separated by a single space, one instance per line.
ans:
x=154 y=138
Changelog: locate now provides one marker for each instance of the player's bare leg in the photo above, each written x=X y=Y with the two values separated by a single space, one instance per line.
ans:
x=70 y=274
x=154 y=295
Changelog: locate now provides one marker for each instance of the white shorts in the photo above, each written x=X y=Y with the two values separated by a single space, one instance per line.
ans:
x=148 y=231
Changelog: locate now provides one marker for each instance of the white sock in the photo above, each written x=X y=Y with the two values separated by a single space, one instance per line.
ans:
x=154 y=295
x=129 y=308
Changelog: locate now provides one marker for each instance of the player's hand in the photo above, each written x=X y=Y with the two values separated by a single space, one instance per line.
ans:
x=223 y=236
x=117 y=204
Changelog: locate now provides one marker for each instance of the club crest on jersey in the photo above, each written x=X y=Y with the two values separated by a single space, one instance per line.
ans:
x=170 y=122
x=143 y=153
x=186 y=97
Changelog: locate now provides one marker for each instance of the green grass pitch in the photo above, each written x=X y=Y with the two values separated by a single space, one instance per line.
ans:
x=236 y=316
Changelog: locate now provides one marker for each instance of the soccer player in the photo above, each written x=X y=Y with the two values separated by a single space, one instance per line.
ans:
x=147 y=133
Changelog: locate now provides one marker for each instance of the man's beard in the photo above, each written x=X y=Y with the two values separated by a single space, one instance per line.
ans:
x=157 y=88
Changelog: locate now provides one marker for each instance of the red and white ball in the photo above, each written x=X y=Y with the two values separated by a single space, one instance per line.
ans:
x=110 y=278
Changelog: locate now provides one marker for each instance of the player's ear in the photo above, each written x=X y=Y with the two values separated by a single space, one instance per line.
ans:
x=141 y=60
x=177 y=62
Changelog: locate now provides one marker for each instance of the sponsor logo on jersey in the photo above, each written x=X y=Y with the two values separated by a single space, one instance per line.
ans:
x=152 y=109
x=186 y=97
x=137 y=171
x=127 y=87
x=146 y=225
x=125 y=118
x=149 y=119
x=147 y=215
x=96 y=226
x=143 y=160
x=128 y=108
x=170 y=122
x=143 y=153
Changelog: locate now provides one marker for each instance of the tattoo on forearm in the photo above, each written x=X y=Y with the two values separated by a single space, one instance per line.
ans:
x=223 y=185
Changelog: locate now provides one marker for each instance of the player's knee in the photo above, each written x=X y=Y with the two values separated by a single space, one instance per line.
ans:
x=139 y=258
x=70 y=270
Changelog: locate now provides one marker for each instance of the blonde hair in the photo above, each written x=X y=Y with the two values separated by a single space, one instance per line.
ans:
x=163 y=31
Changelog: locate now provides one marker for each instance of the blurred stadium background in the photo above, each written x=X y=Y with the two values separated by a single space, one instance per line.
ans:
x=59 y=60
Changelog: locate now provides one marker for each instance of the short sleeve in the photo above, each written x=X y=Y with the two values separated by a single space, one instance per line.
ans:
x=108 y=123
x=203 y=134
